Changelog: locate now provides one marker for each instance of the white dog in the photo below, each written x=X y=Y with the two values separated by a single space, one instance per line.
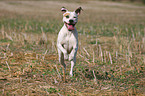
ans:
x=67 y=41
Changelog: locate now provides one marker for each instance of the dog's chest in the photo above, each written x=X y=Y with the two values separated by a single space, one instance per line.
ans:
x=69 y=39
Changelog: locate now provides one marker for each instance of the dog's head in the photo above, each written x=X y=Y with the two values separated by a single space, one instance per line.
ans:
x=70 y=18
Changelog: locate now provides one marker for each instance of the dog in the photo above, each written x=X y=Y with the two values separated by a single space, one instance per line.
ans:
x=67 y=41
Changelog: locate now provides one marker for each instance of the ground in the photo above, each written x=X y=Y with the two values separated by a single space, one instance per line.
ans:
x=110 y=59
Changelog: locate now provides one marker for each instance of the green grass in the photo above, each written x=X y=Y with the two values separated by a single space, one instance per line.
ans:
x=29 y=25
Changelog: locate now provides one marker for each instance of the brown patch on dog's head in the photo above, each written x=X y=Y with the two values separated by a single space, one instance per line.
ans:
x=66 y=14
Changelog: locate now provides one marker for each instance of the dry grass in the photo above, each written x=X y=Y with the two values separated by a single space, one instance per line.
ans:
x=110 y=60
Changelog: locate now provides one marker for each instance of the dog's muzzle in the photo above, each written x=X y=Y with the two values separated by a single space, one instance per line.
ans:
x=70 y=26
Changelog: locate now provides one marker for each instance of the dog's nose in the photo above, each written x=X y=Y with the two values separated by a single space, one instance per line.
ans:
x=71 y=21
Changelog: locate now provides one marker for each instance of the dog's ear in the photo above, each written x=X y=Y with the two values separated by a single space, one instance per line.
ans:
x=78 y=11
x=63 y=9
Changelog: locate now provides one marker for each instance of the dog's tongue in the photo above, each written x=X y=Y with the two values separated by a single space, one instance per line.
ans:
x=70 y=27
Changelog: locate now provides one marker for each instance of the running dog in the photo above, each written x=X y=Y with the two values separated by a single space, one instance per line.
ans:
x=67 y=41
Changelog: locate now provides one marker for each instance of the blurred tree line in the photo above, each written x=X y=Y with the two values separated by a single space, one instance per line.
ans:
x=143 y=1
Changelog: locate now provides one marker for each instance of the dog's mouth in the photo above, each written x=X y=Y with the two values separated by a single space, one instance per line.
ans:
x=70 y=26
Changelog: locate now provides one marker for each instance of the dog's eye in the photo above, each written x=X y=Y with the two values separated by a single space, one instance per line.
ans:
x=67 y=16
x=75 y=17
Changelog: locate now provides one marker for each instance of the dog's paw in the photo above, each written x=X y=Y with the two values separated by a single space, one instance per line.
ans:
x=71 y=74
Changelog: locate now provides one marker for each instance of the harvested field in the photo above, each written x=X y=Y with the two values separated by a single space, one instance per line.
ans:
x=110 y=59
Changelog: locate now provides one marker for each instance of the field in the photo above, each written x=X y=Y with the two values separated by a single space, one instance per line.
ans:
x=110 y=59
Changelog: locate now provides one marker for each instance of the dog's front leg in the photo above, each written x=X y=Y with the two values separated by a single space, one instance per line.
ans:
x=64 y=51
x=61 y=61
x=61 y=58
x=72 y=65
x=73 y=53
